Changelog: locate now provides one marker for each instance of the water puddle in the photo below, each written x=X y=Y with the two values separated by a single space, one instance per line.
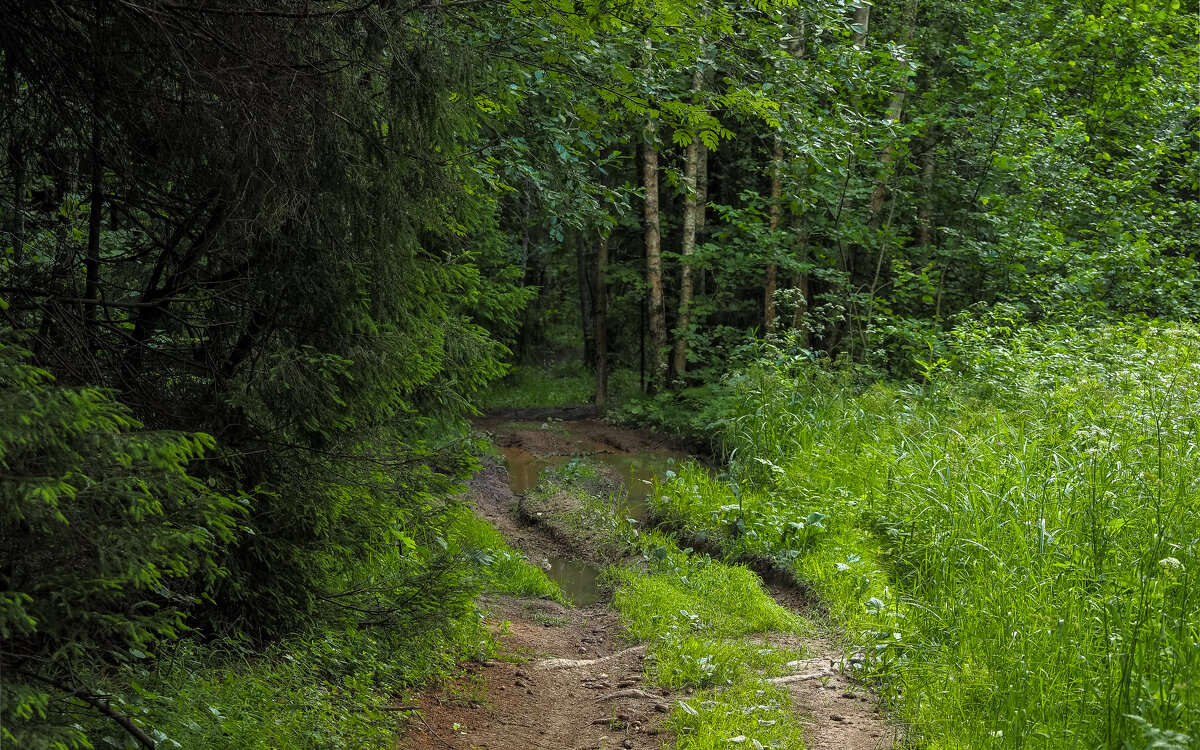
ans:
x=637 y=471
x=524 y=468
x=580 y=580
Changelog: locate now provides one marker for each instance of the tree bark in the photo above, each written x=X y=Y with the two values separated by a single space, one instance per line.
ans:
x=656 y=313
x=16 y=166
x=91 y=288
x=701 y=211
x=800 y=284
x=586 y=298
x=925 y=217
x=526 y=337
x=600 y=319
x=862 y=23
x=696 y=154
x=894 y=110
x=772 y=281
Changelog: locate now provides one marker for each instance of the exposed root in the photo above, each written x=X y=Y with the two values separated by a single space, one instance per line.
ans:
x=576 y=663
x=801 y=677
x=628 y=693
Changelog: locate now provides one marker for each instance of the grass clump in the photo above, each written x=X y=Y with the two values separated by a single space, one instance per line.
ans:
x=754 y=714
x=505 y=570
x=581 y=504
x=698 y=615
x=696 y=594
x=694 y=613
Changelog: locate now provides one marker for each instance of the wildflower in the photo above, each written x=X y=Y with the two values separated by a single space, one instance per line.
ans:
x=1171 y=567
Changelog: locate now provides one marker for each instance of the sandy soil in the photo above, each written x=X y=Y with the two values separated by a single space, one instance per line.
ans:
x=526 y=699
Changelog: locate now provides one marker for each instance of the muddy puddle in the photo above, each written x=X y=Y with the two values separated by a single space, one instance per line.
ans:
x=636 y=470
x=579 y=580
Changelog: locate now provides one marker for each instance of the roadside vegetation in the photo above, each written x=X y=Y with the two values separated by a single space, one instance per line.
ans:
x=262 y=261
x=1012 y=544
x=706 y=624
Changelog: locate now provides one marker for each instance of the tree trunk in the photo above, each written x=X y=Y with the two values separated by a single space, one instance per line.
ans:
x=925 y=217
x=656 y=312
x=894 y=110
x=692 y=208
x=526 y=337
x=798 y=48
x=91 y=288
x=16 y=166
x=862 y=24
x=586 y=298
x=600 y=319
x=795 y=46
x=701 y=209
x=801 y=285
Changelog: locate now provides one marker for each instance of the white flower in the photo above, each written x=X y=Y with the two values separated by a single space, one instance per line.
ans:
x=1171 y=565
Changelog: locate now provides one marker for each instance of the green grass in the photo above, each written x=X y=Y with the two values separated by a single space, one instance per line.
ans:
x=506 y=571
x=564 y=383
x=1014 y=547
x=326 y=689
x=751 y=714
x=578 y=502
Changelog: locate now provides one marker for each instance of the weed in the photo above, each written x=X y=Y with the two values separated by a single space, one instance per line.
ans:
x=550 y=621
x=469 y=690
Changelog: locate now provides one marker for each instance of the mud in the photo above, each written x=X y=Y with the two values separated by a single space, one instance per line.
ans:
x=513 y=703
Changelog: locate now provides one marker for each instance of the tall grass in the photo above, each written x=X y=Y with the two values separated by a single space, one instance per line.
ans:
x=1014 y=545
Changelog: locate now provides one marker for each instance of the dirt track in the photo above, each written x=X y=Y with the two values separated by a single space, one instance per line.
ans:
x=523 y=700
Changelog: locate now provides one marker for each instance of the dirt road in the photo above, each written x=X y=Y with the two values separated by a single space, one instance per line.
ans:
x=565 y=679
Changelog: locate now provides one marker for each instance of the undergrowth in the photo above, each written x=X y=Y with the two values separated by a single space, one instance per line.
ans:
x=564 y=383
x=330 y=686
x=505 y=570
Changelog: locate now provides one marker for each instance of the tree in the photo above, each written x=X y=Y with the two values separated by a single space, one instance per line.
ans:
x=276 y=250
x=108 y=542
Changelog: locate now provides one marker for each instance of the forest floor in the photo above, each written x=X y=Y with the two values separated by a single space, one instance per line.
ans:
x=565 y=678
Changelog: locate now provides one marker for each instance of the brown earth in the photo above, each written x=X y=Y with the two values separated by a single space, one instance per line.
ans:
x=564 y=678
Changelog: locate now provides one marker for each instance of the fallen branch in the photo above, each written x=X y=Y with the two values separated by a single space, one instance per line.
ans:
x=100 y=704
x=576 y=663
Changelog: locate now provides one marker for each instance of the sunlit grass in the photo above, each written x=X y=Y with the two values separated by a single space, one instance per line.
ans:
x=699 y=618
x=752 y=711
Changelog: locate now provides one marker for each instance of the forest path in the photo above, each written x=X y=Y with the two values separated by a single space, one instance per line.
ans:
x=529 y=697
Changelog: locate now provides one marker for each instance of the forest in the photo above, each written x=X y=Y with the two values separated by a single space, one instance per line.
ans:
x=916 y=280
